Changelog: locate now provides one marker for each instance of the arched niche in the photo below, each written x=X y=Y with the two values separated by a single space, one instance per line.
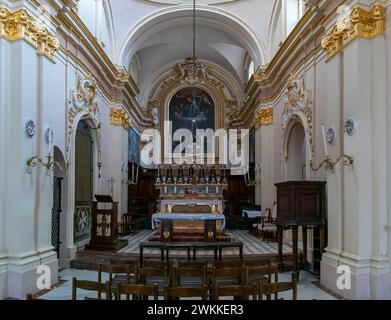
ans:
x=296 y=150
x=82 y=106
x=298 y=111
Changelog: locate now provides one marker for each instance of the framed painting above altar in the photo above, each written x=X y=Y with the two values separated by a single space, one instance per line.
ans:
x=191 y=108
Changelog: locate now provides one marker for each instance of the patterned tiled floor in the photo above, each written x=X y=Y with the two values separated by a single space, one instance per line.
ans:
x=251 y=245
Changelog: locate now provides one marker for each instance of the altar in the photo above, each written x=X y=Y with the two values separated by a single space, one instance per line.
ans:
x=190 y=196
x=188 y=218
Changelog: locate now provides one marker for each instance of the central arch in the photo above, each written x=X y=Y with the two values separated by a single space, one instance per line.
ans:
x=177 y=15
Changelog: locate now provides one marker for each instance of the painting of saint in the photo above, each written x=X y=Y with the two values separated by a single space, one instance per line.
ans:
x=192 y=108
x=134 y=149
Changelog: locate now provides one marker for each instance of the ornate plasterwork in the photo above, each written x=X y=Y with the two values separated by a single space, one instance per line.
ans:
x=183 y=75
x=356 y=23
x=119 y=117
x=82 y=105
x=263 y=117
x=20 y=25
x=298 y=107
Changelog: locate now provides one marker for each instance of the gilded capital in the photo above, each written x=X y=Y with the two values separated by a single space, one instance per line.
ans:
x=20 y=25
x=119 y=117
x=358 y=23
x=263 y=117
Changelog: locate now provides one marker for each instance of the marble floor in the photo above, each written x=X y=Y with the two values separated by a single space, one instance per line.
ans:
x=307 y=288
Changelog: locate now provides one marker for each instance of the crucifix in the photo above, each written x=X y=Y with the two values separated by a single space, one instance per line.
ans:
x=111 y=182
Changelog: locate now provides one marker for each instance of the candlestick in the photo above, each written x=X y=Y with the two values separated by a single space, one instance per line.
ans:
x=324 y=140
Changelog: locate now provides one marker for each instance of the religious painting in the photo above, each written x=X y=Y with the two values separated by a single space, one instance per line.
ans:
x=191 y=108
x=252 y=145
x=134 y=146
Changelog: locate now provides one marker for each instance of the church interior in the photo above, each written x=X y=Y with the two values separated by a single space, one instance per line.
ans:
x=195 y=149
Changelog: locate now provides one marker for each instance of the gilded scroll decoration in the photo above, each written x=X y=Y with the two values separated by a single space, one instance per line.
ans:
x=119 y=117
x=83 y=102
x=20 y=25
x=298 y=106
x=359 y=23
x=263 y=117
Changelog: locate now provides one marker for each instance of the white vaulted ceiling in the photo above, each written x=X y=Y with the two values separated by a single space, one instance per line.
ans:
x=153 y=34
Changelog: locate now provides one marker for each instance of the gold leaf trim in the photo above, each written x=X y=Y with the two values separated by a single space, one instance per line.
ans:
x=263 y=117
x=20 y=25
x=360 y=23
x=119 y=117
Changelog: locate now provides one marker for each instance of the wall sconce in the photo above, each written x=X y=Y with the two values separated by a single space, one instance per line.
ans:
x=49 y=165
x=329 y=164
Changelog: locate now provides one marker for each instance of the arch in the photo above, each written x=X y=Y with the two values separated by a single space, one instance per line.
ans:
x=81 y=107
x=107 y=10
x=294 y=158
x=209 y=15
x=276 y=15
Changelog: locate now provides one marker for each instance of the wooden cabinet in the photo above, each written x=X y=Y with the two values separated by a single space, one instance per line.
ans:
x=300 y=203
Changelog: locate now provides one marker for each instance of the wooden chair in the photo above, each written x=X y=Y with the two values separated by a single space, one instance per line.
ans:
x=124 y=262
x=149 y=275
x=268 y=289
x=191 y=264
x=227 y=276
x=117 y=273
x=257 y=262
x=91 y=286
x=254 y=275
x=137 y=291
x=269 y=228
x=228 y=263
x=190 y=277
x=240 y=292
x=173 y=293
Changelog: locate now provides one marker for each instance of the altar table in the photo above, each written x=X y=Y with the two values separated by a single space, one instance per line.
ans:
x=157 y=217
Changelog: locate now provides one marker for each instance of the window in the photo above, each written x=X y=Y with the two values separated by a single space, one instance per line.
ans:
x=294 y=10
x=250 y=69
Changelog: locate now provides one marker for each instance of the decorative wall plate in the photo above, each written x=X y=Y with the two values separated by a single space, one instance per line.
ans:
x=48 y=135
x=29 y=126
x=331 y=135
x=350 y=126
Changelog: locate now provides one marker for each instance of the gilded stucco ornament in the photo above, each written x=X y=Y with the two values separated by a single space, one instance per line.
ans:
x=352 y=24
x=298 y=107
x=20 y=25
x=263 y=117
x=202 y=75
x=119 y=117
x=82 y=105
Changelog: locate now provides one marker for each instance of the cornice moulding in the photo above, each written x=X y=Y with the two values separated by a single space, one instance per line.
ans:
x=20 y=25
x=359 y=24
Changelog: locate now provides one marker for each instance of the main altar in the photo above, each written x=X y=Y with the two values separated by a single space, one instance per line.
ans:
x=190 y=198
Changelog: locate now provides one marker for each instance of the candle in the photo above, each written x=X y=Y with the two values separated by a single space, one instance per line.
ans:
x=309 y=147
x=324 y=140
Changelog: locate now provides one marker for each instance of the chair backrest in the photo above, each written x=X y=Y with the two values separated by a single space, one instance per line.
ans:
x=244 y=292
x=156 y=264
x=268 y=289
x=90 y=286
x=228 y=263
x=144 y=273
x=257 y=262
x=137 y=291
x=124 y=262
x=200 y=274
x=260 y=274
x=191 y=264
x=112 y=270
x=183 y=292
x=232 y=272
